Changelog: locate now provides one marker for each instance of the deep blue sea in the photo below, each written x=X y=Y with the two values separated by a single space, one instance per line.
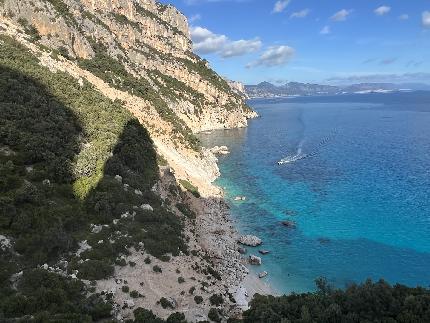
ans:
x=360 y=199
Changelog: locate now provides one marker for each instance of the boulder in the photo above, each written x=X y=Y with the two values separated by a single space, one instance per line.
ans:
x=241 y=250
x=264 y=252
x=220 y=150
x=250 y=240
x=254 y=260
x=262 y=274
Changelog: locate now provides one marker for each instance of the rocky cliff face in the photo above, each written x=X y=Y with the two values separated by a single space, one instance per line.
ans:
x=151 y=40
x=140 y=52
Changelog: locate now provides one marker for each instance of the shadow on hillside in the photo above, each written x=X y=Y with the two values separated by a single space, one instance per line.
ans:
x=40 y=140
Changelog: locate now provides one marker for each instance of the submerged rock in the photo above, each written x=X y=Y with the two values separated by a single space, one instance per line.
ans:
x=254 y=260
x=264 y=252
x=290 y=212
x=289 y=224
x=323 y=240
x=263 y=274
x=250 y=240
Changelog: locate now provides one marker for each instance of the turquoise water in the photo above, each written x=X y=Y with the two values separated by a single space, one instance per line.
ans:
x=361 y=202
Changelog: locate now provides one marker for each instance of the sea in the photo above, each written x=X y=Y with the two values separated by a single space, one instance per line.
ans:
x=354 y=185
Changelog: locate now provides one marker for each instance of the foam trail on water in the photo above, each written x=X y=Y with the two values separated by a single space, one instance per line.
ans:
x=300 y=156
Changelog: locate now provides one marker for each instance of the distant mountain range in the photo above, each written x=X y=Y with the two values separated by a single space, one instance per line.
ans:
x=269 y=90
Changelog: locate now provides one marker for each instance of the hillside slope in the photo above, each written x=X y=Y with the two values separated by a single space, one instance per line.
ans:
x=106 y=196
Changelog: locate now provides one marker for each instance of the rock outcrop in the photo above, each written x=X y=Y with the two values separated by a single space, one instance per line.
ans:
x=250 y=240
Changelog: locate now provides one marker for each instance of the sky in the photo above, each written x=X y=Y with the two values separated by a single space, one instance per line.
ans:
x=320 y=41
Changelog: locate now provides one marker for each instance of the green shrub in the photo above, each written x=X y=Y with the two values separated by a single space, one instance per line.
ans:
x=367 y=302
x=157 y=269
x=145 y=316
x=185 y=210
x=214 y=315
x=198 y=299
x=181 y=280
x=49 y=295
x=190 y=187
x=147 y=260
x=165 y=303
x=216 y=300
x=134 y=294
x=95 y=270
x=125 y=289
x=176 y=318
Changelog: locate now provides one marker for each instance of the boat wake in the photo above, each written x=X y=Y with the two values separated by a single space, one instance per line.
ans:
x=299 y=155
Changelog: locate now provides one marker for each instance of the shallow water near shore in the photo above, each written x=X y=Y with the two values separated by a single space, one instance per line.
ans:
x=360 y=199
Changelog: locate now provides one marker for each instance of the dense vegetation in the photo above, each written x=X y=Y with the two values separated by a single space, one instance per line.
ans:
x=74 y=166
x=368 y=302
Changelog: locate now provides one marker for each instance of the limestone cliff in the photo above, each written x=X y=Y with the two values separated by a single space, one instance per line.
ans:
x=140 y=52
x=151 y=40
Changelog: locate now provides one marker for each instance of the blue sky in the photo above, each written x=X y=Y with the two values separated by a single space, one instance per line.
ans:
x=325 y=41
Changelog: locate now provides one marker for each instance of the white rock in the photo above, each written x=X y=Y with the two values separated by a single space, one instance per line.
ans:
x=96 y=228
x=5 y=243
x=250 y=240
x=254 y=260
x=262 y=274
x=46 y=182
x=81 y=82
x=146 y=207
x=118 y=178
x=83 y=246
x=138 y=192
x=100 y=242
x=129 y=303
x=45 y=266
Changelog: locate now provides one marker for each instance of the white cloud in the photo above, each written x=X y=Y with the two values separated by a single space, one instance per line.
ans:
x=274 y=56
x=280 y=6
x=382 y=10
x=404 y=17
x=426 y=19
x=207 y=42
x=194 y=18
x=241 y=47
x=341 y=15
x=325 y=31
x=300 y=14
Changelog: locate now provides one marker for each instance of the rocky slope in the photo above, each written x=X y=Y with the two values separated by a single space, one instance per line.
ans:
x=131 y=55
